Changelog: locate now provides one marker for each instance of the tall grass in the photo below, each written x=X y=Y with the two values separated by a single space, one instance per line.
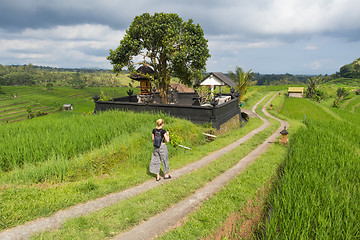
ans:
x=315 y=195
x=40 y=139
x=297 y=108
x=353 y=103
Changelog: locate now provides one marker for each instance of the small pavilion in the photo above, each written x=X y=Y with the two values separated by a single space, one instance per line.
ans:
x=296 y=92
x=218 y=79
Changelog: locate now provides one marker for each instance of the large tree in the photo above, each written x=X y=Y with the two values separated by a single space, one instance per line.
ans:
x=174 y=48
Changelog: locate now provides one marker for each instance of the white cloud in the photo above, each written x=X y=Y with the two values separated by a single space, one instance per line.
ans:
x=318 y=64
x=315 y=65
x=235 y=43
x=310 y=47
x=32 y=56
x=283 y=17
x=264 y=17
x=70 y=46
x=77 y=32
x=268 y=35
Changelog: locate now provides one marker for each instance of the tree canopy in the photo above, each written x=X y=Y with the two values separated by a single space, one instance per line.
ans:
x=174 y=48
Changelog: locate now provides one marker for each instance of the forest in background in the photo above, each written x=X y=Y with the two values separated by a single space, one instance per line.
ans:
x=31 y=75
x=48 y=77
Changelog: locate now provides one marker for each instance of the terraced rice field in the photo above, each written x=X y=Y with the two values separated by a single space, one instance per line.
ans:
x=16 y=100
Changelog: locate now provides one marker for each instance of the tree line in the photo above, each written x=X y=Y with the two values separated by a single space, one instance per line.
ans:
x=31 y=75
x=279 y=79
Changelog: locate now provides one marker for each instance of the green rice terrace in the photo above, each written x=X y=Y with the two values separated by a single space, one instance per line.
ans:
x=64 y=162
x=17 y=103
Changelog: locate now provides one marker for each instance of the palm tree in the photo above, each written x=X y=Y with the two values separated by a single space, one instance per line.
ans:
x=242 y=79
x=341 y=94
x=311 y=87
x=312 y=90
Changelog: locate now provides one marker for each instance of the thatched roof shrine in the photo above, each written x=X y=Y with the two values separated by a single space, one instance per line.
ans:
x=141 y=73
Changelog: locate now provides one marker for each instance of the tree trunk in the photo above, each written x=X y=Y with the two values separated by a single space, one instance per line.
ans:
x=164 y=78
x=163 y=88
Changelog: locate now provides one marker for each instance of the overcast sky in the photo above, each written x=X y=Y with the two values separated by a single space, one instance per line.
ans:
x=267 y=36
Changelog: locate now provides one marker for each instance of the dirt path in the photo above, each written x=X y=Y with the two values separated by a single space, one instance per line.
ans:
x=168 y=219
x=55 y=221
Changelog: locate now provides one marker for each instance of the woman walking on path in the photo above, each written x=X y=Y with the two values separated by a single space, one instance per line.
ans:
x=160 y=153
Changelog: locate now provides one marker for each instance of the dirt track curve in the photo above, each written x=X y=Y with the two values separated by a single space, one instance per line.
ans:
x=170 y=217
x=166 y=220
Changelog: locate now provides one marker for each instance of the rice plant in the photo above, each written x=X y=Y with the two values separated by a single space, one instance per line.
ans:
x=37 y=140
x=315 y=196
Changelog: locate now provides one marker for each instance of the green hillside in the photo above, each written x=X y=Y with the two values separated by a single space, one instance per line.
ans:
x=18 y=102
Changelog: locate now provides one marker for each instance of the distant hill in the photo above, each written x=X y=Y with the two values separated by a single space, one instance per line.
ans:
x=30 y=75
x=351 y=70
x=59 y=69
x=280 y=79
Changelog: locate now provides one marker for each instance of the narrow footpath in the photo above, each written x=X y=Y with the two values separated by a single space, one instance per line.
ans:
x=170 y=218
x=176 y=213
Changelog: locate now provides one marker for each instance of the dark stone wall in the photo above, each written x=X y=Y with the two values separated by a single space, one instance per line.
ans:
x=131 y=98
x=180 y=98
x=217 y=115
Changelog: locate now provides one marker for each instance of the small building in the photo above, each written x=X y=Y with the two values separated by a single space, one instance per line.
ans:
x=142 y=75
x=68 y=107
x=296 y=92
x=218 y=79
